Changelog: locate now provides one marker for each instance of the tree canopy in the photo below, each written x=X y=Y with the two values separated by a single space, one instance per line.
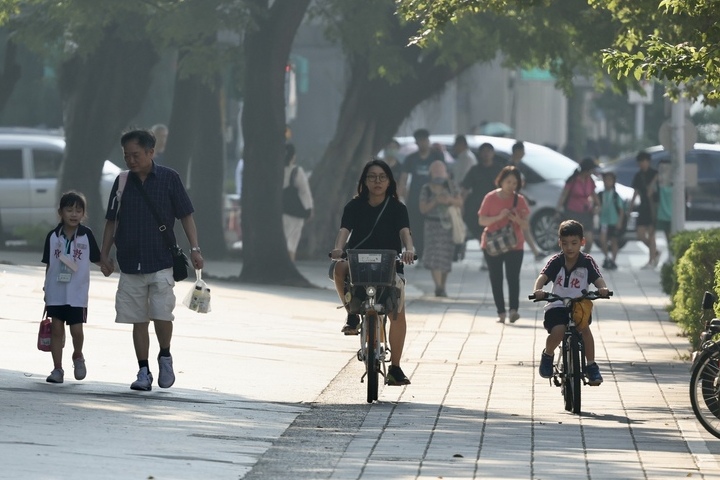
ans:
x=674 y=41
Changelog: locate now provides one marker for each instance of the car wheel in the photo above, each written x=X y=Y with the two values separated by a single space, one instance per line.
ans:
x=543 y=227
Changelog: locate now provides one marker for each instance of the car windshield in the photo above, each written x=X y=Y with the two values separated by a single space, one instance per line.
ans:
x=548 y=163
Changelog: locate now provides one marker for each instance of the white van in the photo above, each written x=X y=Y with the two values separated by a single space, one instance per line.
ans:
x=29 y=164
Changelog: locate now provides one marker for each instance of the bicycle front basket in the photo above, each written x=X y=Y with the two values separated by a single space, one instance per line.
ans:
x=372 y=267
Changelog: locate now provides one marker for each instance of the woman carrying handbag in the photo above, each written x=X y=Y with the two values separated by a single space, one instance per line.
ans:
x=504 y=214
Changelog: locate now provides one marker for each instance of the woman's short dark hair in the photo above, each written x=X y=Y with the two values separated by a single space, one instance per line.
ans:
x=506 y=172
x=362 y=190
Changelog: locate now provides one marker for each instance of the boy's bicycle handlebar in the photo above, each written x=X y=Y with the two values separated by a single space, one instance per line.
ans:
x=552 y=297
x=398 y=257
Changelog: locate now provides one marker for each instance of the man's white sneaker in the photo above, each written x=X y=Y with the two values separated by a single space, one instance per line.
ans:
x=167 y=376
x=79 y=367
x=144 y=380
x=56 y=376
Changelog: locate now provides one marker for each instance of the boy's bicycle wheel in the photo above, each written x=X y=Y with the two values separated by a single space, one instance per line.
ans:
x=371 y=359
x=572 y=371
x=705 y=390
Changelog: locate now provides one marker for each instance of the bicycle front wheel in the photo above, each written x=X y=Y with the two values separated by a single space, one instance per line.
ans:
x=371 y=359
x=576 y=374
x=705 y=390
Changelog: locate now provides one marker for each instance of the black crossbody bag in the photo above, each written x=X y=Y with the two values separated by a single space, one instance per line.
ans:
x=180 y=260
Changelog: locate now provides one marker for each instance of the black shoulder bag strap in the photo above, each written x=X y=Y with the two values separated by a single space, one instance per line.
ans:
x=161 y=226
x=375 y=224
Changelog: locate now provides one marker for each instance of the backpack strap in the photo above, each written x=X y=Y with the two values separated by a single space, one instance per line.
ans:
x=122 y=181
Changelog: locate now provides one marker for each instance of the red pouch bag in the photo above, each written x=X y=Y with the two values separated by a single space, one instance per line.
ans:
x=45 y=333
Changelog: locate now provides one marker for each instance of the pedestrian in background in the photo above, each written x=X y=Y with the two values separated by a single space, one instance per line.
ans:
x=292 y=226
x=478 y=182
x=436 y=197
x=145 y=289
x=515 y=160
x=391 y=156
x=644 y=183
x=416 y=169
x=579 y=201
x=160 y=132
x=499 y=208
x=612 y=216
x=68 y=251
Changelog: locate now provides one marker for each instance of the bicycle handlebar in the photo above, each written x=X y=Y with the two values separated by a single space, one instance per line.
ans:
x=552 y=297
x=398 y=257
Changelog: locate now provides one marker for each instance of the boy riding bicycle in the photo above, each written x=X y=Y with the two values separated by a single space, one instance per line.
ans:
x=571 y=272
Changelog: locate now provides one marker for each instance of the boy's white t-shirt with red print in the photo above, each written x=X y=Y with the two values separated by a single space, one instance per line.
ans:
x=570 y=283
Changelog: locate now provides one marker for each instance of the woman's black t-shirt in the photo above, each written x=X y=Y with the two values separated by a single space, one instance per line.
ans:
x=359 y=217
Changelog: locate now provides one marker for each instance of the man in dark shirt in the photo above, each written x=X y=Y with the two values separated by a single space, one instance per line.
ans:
x=417 y=166
x=145 y=289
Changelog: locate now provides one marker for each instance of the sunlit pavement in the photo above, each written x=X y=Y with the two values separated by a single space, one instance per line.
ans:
x=267 y=356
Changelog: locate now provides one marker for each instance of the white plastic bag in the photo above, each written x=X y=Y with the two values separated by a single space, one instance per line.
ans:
x=198 y=297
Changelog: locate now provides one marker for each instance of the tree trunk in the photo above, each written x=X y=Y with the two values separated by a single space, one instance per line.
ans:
x=102 y=92
x=182 y=133
x=11 y=73
x=267 y=47
x=370 y=115
x=207 y=172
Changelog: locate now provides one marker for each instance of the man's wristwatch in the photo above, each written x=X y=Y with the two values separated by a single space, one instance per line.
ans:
x=196 y=249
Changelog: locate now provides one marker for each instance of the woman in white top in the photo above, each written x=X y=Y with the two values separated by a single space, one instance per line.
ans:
x=292 y=224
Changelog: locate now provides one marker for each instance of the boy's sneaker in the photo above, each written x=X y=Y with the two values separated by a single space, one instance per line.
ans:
x=351 y=325
x=144 y=380
x=396 y=377
x=56 y=376
x=593 y=374
x=167 y=375
x=79 y=368
x=546 y=365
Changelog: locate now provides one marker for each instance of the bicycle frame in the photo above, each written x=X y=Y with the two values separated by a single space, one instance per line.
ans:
x=376 y=275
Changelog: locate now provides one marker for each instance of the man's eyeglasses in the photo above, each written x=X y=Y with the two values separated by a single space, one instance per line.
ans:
x=377 y=178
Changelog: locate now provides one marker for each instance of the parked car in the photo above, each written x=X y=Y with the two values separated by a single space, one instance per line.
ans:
x=703 y=200
x=29 y=165
x=545 y=172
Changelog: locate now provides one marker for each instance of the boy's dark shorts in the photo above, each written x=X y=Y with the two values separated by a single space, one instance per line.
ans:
x=66 y=313
x=557 y=316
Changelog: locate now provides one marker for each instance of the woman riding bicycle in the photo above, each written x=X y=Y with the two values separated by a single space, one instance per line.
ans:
x=571 y=272
x=377 y=220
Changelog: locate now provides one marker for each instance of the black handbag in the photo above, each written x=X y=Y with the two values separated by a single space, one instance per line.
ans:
x=180 y=260
x=292 y=205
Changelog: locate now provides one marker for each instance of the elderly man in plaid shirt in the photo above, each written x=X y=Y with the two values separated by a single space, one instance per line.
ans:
x=145 y=289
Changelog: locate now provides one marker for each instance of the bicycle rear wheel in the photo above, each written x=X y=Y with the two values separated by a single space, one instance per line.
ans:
x=705 y=390
x=371 y=359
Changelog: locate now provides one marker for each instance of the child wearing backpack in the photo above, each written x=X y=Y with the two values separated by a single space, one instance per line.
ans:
x=69 y=249
x=612 y=217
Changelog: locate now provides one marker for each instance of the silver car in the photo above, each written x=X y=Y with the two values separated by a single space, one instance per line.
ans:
x=29 y=165
x=545 y=172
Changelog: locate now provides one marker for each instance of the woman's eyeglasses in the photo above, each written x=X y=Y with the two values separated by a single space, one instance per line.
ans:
x=376 y=178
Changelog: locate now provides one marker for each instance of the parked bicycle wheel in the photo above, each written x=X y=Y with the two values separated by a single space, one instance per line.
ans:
x=371 y=360
x=705 y=390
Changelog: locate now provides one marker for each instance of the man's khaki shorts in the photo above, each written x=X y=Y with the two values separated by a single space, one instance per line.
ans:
x=145 y=296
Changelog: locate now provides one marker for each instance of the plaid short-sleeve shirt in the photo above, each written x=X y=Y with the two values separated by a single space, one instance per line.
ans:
x=140 y=245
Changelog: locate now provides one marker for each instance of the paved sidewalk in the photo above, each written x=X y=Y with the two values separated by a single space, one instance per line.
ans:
x=476 y=408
